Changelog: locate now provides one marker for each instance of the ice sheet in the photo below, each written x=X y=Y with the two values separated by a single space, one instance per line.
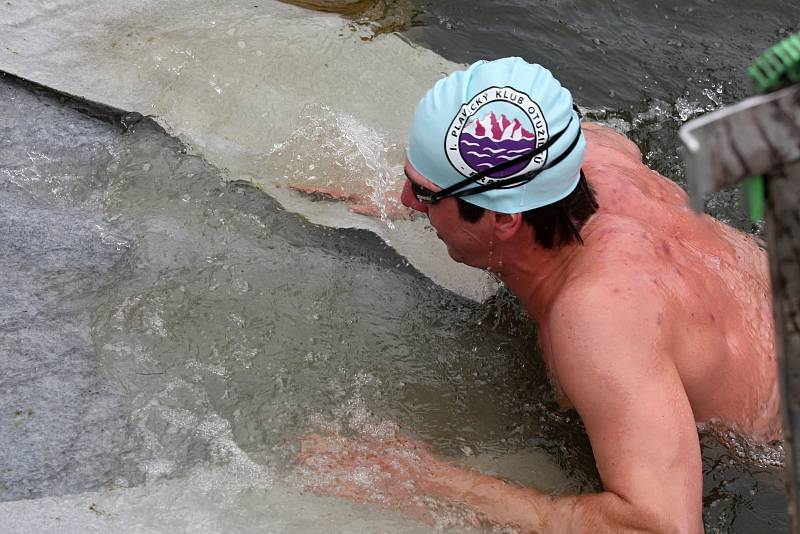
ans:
x=234 y=80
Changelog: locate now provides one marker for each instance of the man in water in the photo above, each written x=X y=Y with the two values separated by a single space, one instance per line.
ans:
x=651 y=318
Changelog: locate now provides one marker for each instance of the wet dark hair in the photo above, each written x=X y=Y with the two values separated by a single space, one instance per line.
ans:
x=553 y=225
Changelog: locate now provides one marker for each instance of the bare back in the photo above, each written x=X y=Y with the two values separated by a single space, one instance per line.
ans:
x=709 y=283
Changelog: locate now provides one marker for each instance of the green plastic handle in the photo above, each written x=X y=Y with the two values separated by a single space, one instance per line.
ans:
x=775 y=69
x=754 y=187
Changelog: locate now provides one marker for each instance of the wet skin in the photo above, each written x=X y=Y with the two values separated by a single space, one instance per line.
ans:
x=660 y=320
x=709 y=282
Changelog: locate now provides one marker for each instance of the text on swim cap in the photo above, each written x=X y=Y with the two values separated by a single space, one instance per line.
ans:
x=497 y=124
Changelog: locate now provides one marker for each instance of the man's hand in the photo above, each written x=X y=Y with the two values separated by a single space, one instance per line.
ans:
x=391 y=471
x=367 y=469
x=362 y=199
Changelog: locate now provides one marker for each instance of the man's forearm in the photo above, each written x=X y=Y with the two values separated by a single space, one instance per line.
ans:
x=504 y=503
x=499 y=502
x=402 y=471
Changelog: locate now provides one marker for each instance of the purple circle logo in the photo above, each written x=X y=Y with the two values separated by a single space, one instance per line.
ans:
x=482 y=137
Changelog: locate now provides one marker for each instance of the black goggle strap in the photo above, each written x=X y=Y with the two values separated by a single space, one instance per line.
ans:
x=450 y=191
x=514 y=181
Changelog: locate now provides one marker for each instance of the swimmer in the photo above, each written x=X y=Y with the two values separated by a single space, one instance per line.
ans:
x=651 y=318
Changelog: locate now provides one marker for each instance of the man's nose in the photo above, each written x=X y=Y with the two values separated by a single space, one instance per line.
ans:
x=409 y=199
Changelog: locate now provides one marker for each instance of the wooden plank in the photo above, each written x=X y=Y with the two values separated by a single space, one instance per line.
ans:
x=783 y=230
x=754 y=137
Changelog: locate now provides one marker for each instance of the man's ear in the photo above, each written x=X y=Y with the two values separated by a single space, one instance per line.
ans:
x=506 y=225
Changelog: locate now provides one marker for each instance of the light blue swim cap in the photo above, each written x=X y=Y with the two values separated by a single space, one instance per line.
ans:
x=492 y=112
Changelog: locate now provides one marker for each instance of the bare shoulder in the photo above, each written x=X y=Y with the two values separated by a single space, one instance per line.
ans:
x=612 y=368
x=603 y=137
x=613 y=165
x=606 y=308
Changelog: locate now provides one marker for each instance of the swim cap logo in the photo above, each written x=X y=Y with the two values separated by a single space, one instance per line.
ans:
x=480 y=138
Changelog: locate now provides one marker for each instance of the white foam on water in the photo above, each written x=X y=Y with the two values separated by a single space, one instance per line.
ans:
x=339 y=156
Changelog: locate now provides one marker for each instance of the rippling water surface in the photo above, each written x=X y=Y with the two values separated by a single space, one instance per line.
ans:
x=643 y=67
x=164 y=324
x=177 y=321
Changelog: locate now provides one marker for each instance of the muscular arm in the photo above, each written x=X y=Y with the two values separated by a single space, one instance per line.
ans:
x=503 y=503
x=614 y=364
x=609 y=360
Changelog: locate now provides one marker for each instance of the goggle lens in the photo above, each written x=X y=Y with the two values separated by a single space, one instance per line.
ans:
x=423 y=194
